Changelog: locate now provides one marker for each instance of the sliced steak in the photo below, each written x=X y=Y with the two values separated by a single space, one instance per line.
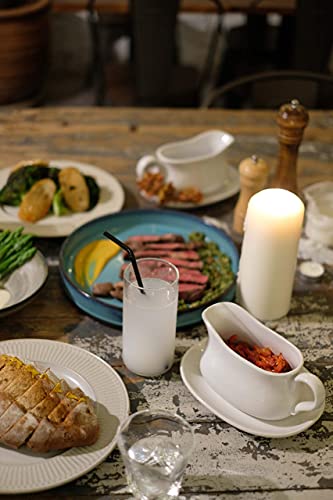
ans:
x=165 y=254
x=189 y=264
x=117 y=290
x=192 y=276
x=191 y=245
x=191 y=291
x=102 y=289
x=153 y=238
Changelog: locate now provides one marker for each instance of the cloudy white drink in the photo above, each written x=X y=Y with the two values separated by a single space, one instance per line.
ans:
x=149 y=318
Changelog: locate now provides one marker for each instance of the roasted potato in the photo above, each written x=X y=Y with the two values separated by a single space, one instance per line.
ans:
x=37 y=201
x=74 y=189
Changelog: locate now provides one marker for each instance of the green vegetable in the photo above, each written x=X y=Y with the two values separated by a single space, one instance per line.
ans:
x=17 y=260
x=23 y=178
x=3 y=235
x=94 y=191
x=217 y=266
x=59 y=206
x=10 y=240
x=15 y=249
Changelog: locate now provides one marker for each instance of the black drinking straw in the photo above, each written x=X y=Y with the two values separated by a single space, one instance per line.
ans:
x=131 y=256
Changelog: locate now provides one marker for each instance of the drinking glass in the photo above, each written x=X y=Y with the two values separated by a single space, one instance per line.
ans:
x=155 y=446
x=150 y=317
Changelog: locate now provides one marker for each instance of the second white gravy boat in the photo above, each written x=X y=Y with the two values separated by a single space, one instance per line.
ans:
x=197 y=161
x=253 y=390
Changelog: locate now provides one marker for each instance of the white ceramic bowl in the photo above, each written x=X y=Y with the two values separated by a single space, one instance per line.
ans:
x=262 y=394
x=24 y=284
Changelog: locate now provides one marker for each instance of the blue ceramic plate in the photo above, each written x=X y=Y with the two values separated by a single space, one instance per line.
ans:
x=123 y=225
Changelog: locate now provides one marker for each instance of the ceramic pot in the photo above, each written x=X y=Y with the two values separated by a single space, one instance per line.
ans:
x=24 y=36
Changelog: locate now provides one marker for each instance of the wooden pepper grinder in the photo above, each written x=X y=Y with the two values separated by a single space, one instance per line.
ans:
x=253 y=177
x=292 y=119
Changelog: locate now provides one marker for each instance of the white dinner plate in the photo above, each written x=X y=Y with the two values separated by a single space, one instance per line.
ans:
x=197 y=385
x=22 y=471
x=23 y=284
x=111 y=200
x=230 y=187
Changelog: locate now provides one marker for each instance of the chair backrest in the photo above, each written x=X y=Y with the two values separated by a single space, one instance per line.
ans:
x=270 y=89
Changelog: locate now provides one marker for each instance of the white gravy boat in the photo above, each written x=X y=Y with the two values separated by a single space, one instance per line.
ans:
x=196 y=162
x=253 y=390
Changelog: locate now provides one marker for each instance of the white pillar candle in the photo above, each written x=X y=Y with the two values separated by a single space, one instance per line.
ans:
x=268 y=260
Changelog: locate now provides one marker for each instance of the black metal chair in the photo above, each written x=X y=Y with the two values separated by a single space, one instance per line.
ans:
x=270 y=89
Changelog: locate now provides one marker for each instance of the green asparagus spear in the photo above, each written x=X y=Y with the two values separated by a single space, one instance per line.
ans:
x=16 y=246
x=19 y=260
x=3 y=235
x=9 y=240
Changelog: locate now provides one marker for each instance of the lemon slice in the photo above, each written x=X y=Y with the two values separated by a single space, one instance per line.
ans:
x=91 y=260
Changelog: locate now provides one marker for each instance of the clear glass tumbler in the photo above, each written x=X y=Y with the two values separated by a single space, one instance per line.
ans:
x=155 y=446
x=150 y=317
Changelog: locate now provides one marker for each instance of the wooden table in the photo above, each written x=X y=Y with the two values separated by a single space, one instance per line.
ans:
x=226 y=463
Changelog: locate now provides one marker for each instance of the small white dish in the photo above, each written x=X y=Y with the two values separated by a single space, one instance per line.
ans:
x=111 y=200
x=24 y=283
x=230 y=187
x=199 y=388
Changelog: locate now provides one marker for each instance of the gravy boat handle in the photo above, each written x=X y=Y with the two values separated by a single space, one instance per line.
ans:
x=317 y=388
x=146 y=162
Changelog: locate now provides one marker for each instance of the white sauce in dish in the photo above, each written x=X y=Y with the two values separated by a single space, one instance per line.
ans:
x=4 y=297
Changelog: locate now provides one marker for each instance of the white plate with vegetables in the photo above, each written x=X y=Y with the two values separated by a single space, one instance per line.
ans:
x=23 y=270
x=89 y=193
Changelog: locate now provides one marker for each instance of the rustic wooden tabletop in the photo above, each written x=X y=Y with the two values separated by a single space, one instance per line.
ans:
x=226 y=462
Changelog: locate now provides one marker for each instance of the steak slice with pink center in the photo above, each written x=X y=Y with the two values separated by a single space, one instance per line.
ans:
x=184 y=254
x=153 y=238
x=190 y=292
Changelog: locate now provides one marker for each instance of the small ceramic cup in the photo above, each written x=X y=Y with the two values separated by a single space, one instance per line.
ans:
x=319 y=212
x=253 y=390
x=197 y=161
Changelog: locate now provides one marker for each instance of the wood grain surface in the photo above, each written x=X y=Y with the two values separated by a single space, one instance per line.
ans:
x=226 y=463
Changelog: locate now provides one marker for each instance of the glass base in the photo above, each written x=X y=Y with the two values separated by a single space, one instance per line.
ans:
x=171 y=494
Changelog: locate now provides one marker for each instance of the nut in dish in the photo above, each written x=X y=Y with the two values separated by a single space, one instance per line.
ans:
x=42 y=412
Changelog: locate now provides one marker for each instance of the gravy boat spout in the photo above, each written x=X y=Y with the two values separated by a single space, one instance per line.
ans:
x=249 y=388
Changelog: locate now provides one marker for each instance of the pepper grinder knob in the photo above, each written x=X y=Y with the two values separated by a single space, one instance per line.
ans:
x=292 y=119
x=253 y=173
